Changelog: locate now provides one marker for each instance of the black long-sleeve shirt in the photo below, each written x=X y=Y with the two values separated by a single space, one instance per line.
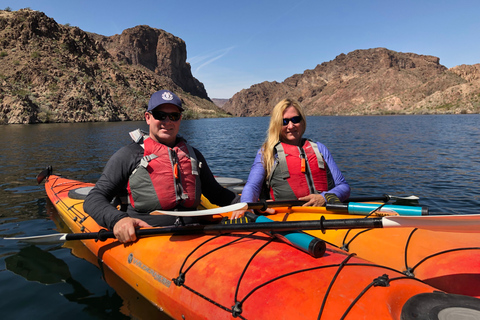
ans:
x=113 y=183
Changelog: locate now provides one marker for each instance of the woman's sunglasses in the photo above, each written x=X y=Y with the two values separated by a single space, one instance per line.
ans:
x=160 y=115
x=294 y=120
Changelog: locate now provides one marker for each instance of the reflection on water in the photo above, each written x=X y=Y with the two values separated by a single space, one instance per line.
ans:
x=434 y=157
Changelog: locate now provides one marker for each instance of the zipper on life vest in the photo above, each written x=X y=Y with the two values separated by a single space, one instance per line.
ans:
x=176 y=174
x=305 y=169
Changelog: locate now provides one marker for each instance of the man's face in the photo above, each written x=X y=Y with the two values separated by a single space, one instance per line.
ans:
x=163 y=131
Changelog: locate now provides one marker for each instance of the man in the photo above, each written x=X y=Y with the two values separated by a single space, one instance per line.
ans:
x=158 y=171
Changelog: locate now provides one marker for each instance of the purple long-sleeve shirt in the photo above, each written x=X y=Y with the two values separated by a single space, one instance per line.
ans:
x=256 y=178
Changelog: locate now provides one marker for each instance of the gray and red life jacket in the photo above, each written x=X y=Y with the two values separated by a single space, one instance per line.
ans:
x=298 y=172
x=165 y=178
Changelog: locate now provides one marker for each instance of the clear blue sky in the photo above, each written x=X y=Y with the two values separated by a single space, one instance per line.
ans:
x=232 y=45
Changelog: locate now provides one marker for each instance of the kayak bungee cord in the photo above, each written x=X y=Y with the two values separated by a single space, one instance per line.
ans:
x=78 y=217
x=180 y=280
x=345 y=246
x=181 y=275
x=382 y=281
x=409 y=272
x=236 y=309
x=340 y=268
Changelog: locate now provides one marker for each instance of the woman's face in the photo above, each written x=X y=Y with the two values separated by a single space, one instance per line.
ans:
x=292 y=132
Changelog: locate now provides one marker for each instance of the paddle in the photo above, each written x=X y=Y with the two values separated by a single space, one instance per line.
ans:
x=384 y=198
x=233 y=207
x=446 y=223
x=351 y=208
x=45 y=173
x=228 y=182
x=367 y=208
x=206 y=212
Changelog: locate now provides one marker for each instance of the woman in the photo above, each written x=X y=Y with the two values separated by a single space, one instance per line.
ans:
x=290 y=167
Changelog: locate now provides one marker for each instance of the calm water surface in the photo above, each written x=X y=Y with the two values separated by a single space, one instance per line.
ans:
x=434 y=157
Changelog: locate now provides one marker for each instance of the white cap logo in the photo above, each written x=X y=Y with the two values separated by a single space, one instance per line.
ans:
x=167 y=96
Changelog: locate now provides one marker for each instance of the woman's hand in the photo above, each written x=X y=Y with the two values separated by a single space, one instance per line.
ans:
x=237 y=214
x=313 y=200
x=124 y=229
x=240 y=213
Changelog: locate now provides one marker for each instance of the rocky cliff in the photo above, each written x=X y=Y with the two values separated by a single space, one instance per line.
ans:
x=56 y=73
x=373 y=81
x=157 y=50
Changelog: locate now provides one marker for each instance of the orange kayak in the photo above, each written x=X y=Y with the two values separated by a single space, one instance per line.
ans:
x=449 y=261
x=252 y=275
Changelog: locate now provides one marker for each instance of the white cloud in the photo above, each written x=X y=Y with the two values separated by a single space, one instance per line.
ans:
x=208 y=58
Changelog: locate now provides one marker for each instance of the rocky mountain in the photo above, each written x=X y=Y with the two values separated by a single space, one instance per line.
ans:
x=58 y=73
x=219 y=102
x=373 y=81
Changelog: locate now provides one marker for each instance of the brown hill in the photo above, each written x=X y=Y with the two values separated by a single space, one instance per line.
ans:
x=219 y=102
x=373 y=81
x=56 y=73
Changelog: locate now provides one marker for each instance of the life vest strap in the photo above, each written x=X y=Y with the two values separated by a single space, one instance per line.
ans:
x=283 y=164
x=321 y=163
x=193 y=159
x=138 y=136
x=146 y=159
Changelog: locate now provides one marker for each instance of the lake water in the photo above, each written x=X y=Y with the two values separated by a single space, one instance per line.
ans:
x=436 y=157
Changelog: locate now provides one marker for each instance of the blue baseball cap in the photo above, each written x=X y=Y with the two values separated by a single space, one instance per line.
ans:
x=164 y=97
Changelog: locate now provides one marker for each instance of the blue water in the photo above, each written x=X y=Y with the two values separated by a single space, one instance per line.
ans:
x=435 y=157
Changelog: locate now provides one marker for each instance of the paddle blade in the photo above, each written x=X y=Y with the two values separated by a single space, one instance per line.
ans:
x=412 y=197
x=445 y=223
x=206 y=212
x=45 y=173
x=45 y=239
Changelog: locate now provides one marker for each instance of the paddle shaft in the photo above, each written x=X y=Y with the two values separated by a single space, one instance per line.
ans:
x=350 y=207
x=241 y=227
x=263 y=205
x=446 y=223
x=384 y=198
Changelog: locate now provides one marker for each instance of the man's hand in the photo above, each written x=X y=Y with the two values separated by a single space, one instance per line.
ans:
x=124 y=229
x=313 y=200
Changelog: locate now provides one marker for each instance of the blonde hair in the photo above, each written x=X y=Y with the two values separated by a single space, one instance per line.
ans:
x=275 y=129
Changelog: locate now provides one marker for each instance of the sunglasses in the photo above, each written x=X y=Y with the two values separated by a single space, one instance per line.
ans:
x=160 y=115
x=294 y=120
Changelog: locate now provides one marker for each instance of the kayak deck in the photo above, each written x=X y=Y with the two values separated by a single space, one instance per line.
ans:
x=449 y=261
x=245 y=275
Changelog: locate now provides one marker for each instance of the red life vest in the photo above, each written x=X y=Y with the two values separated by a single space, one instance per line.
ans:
x=298 y=172
x=165 y=178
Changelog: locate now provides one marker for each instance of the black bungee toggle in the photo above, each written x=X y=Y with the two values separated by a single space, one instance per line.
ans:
x=382 y=281
x=237 y=309
x=180 y=280
x=409 y=272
